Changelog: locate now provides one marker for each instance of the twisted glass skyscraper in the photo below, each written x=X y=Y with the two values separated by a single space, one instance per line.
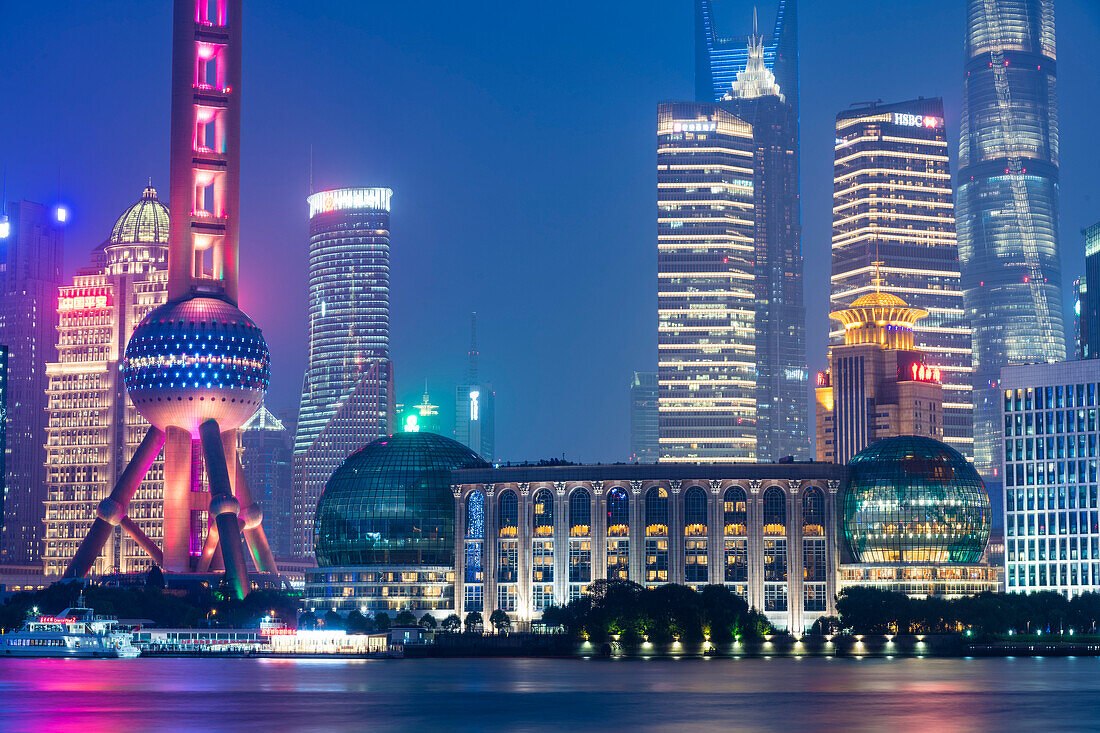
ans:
x=1007 y=201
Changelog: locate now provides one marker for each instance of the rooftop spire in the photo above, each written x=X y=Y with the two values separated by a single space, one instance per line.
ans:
x=877 y=280
x=471 y=367
x=756 y=80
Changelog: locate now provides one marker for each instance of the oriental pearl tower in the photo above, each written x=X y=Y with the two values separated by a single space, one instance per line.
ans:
x=197 y=367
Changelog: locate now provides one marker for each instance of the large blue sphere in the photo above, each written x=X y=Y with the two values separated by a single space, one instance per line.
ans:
x=195 y=359
x=912 y=499
x=391 y=503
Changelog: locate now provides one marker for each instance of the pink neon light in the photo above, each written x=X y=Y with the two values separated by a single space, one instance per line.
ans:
x=206 y=51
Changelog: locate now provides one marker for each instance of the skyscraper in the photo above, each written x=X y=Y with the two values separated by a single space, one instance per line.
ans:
x=1007 y=202
x=892 y=203
x=644 y=418
x=1088 y=294
x=706 y=280
x=721 y=47
x=266 y=458
x=347 y=393
x=782 y=419
x=28 y=328
x=475 y=406
x=94 y=429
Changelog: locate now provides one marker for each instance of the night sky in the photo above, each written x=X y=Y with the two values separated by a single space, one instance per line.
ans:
x=519 y=141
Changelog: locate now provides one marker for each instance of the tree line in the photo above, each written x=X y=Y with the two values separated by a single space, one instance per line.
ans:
x=863 y=610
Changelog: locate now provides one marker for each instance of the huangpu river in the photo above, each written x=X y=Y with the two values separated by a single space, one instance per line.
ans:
x=563 y=695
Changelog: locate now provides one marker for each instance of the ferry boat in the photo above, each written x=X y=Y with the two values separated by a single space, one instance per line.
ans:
x=76 y=632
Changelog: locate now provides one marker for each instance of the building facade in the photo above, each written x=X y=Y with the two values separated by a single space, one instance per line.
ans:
x=267 y=456
x=893 y=204
x=706 y=281
x=1050 y=432
x=1007 y=201
x=475 y=405
x=644 y=432
x=878 y=384
x=782 y=405
x=347 y=392
x=1087 y=289
x=527 y=538
x=31 y=262
x=94 y=429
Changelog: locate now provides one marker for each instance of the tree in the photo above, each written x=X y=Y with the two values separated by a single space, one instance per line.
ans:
x=825 y=625
x=357 y=623
x=154 y=579
x=501 y=621
x=452 y=624
x=405 y=618
x=473 y=622
x=382 y=621
x=333 y=620
x=427 y=621
x=307 y=620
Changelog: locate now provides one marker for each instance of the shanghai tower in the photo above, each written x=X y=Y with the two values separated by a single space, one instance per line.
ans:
x=1007 y=201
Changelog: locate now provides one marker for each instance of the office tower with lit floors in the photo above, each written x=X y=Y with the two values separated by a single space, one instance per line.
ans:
x=782 y=397
x=1007 y=202
x=706 y=284
x=266 y=459
x=892 y=204
x=94 y=429
x=475 y=405
x=347 y=392
x=32 y=252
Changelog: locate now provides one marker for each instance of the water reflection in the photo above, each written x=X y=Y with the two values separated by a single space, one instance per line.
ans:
x=562 y=695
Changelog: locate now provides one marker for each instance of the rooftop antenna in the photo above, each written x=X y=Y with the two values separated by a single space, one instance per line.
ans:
x=877 y=279
x=755 y=33
x=471 y=368
x=311 y=168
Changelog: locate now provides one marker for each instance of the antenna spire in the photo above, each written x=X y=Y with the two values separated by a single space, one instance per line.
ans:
x=877 y=280
x=471 y=368
x=755 y=32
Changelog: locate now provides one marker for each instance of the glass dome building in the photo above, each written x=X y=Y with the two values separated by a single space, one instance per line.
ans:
x=914 y=500
x=391 y=504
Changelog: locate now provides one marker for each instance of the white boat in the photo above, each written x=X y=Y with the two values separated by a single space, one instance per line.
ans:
x=76 y=632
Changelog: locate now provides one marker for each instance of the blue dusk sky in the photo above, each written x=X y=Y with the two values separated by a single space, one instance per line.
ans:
x=519 y=141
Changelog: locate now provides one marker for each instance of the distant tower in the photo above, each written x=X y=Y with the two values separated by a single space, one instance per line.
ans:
x=1006 y=201
x=197 y=367
x=1087 y=290
x=644 y=446
x=31 y=262
x=266 y=455
x=347 y=391
x=475 y=405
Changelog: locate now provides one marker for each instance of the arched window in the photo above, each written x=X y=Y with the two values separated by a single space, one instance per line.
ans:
x=656 y=512
x=735 y=511
x=475 y=516
x=813 y=513
x=775 y=511
x=508 y=514
x=695 y=512
x=618 y=513
x=544 y=513
x=580 y=513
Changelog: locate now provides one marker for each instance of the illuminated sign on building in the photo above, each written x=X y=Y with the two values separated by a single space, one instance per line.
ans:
x=474 y=407
x=902 y=118
x=695 y=126
x=922 y=373
x=82 y=302
x=376 y=199
x=411 y=425
x=823 y=379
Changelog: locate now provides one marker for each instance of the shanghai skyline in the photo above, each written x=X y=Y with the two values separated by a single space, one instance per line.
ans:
x=570 y=107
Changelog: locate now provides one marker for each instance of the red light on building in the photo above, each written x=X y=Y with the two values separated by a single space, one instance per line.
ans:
x=823 y=379
x=923 y=373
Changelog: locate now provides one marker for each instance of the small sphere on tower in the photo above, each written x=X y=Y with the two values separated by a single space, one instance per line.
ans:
x=196 y=359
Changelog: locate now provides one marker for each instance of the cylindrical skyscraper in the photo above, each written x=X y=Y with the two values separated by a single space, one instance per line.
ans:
x=1007 y=201
x=347 y=396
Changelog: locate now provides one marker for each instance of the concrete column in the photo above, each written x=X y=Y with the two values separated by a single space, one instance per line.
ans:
x=833 y=539
x=460 y=549
x=492 y=544
x=636 y=566
x=561 y=544
x=675 y=533
x=755 y=538
x=599 y=530
x=794 y=554
x=177 y=501
x=716 y=531
x=523 y=587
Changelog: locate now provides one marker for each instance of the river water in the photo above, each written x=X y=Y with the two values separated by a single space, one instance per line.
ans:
x=941 y=695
